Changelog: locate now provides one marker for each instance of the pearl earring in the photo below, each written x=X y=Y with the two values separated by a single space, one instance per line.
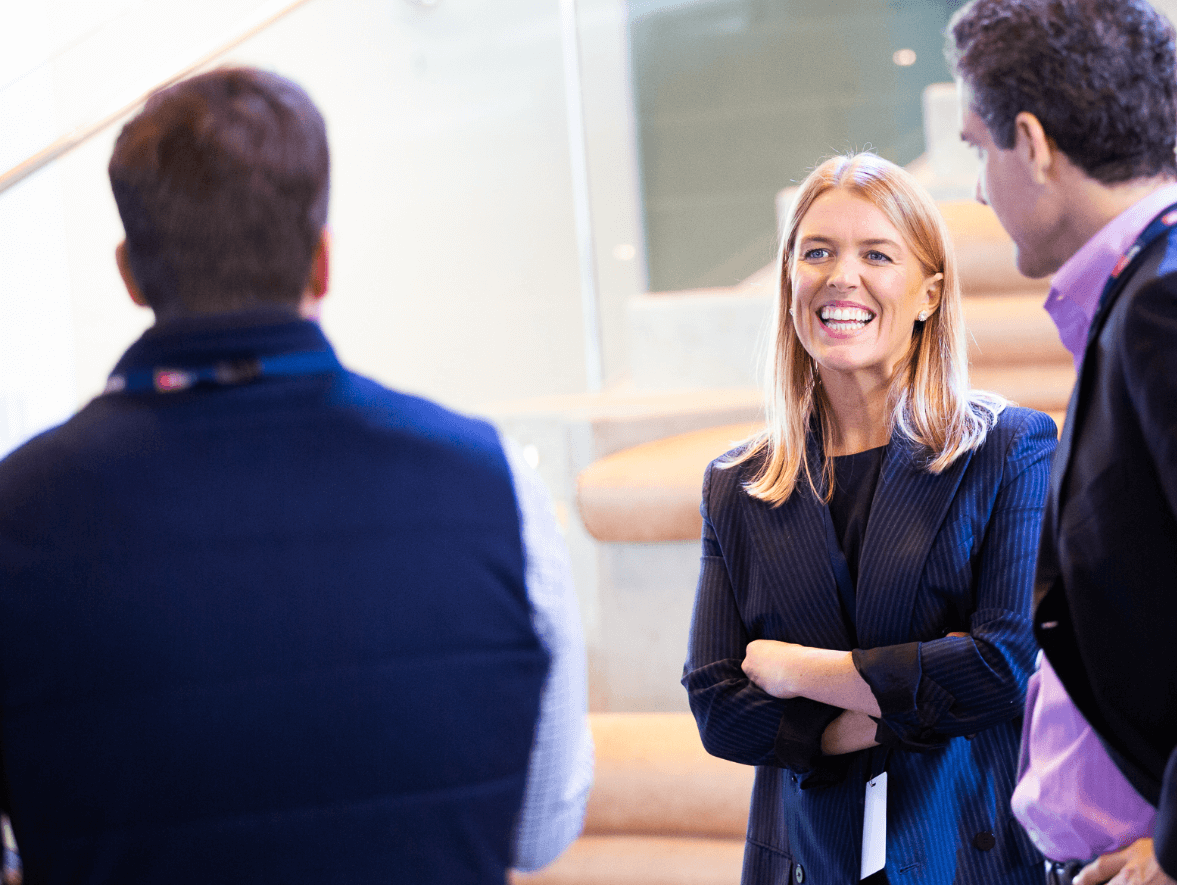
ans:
x=923 y=316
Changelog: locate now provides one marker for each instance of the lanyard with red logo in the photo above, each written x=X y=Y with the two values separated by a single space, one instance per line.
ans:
x=223 y=373
x=1157 y=227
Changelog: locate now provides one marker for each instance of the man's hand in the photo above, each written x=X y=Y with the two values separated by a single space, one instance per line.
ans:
x=771 y=664
x=1135 y=865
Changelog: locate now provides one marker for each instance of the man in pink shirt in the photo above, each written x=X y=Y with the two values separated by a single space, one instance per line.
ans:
x=1072 y=106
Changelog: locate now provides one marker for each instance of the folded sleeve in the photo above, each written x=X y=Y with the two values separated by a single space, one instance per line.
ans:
x=738 y=720
x=931 y=691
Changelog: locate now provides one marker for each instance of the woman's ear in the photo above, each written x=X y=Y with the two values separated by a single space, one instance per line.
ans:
x=933 y=289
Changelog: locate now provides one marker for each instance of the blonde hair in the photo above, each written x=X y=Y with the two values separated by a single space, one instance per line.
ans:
x=930 y=400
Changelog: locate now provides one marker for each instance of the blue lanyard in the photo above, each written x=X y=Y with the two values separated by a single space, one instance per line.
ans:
x=1156 y=228
x=224 y=373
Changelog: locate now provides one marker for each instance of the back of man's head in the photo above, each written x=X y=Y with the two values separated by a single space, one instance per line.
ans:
x=1100 y=76
x=222 y=183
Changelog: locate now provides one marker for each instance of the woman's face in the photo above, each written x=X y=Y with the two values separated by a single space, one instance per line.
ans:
x=857 y=288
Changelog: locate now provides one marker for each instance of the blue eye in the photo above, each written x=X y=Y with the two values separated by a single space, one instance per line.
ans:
x=815 y=254
x=876 y=255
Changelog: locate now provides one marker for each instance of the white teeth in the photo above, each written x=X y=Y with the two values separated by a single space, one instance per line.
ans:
x=846 y=314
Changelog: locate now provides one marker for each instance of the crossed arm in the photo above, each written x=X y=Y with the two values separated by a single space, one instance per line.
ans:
x=786 y=670
x=761 y=701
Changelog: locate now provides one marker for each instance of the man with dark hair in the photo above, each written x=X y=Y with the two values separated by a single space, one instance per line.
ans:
x=264 y=620
x=1072 y=105
x=222 y=188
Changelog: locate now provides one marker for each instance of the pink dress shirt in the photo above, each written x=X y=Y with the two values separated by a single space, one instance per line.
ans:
x=1075 y=289
x=1079 y=811
x=1071 y=811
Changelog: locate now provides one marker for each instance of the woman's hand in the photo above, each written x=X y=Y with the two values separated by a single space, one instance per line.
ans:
x=1135 y=865
x=770 y=664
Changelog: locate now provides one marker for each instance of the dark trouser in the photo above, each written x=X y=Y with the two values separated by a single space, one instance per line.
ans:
x=1060 y=873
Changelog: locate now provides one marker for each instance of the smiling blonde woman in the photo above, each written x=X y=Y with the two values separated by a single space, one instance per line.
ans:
x=927 y=395
x=861 y=629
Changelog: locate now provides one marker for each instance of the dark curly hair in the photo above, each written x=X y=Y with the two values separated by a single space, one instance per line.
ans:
x=222 y=182
x=1100 y=76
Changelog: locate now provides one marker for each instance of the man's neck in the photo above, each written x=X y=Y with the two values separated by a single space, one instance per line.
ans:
x=1094 y=204
x=239 y=319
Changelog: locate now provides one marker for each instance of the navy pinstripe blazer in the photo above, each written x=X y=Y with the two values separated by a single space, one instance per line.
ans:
x=942 y=553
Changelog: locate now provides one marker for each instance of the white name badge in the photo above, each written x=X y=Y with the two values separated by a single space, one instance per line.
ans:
x=874 y=826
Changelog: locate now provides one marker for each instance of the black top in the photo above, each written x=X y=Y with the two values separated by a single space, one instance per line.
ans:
x=855 y=478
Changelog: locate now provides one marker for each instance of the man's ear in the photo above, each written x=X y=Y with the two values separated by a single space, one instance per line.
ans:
x=317 y=283
x=1034 y=147
x=120 y=258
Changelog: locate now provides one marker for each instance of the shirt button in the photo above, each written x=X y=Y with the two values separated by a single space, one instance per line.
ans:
x=984 y=840
x=799 y=874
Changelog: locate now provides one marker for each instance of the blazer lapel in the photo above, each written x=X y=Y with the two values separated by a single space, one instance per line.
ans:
x=1047 y=569
x=796 y=573
x=1156 y=230
x=909 y=507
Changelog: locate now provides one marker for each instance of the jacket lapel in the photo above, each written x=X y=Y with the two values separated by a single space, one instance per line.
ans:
x=1047 y=567
x=908 y=510
x=796 y=572
x=1157 y=230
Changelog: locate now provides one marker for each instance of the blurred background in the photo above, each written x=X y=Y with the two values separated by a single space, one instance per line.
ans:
x=516 y=186
x=470 y=139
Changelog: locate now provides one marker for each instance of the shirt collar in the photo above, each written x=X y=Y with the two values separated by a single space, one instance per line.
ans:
x=1076 y=288
x=192 y=341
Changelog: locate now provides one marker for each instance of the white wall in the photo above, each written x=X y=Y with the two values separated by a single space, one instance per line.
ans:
x=1168 y=7
x=455 y=270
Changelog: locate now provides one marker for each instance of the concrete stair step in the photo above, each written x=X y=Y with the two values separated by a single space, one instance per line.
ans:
x=661 y=809
x=650 y=493
x=1012 y=330
x=1043 y=387
x=985 y=255
x=564 y=434
x=631 y=596
x=700 y=338
x=642 y=860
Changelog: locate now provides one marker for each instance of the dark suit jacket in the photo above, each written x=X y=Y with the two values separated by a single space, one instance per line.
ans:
x=942 y=553
x=1107 y=578
x=272 y=632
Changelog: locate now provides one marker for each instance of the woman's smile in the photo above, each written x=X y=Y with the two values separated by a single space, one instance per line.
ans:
x=844 y=318
x=858 y=289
